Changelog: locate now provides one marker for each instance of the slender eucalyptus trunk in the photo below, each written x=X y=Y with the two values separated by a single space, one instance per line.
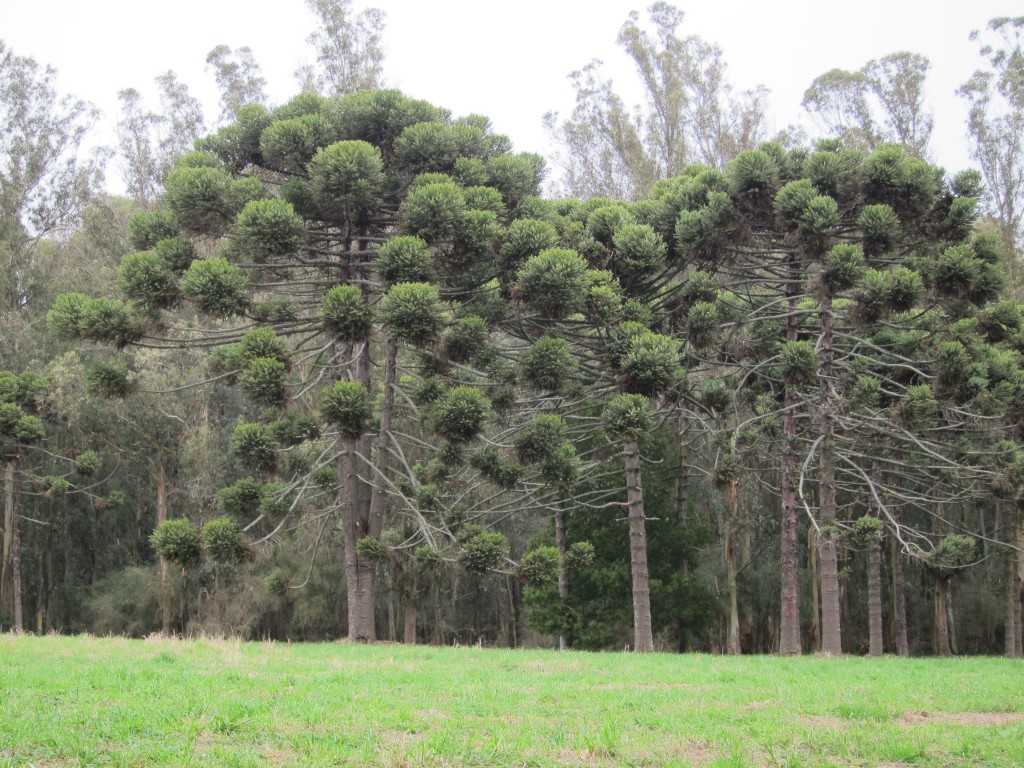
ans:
x=875 y=630
x=409 y=612
x=19 y=624
x=561 y=543
x=941 y=645
x=814 y=630
x=789 y=626
x=875 y=647
x=644 y=636
x=6 y=603
x=1011 y=621
x=166 y=608
x=730 y=498
x=1020 y=584
x=831 y=635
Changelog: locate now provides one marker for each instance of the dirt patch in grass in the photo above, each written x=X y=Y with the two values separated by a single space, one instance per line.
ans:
x=961 y=718
x=638 y=686
x=824 y=721
x=695 y=753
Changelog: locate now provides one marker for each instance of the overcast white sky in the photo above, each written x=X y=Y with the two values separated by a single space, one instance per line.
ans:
x=507 y=60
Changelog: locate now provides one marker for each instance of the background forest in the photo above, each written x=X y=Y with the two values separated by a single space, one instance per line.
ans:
x=344 y=366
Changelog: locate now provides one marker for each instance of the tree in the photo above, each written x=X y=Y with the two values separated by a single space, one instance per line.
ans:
x=348 y=49
x=238 y=78
x=691 y=113
x=995 y=124
x=148 y=142
x=44 y=183
x=882 y=102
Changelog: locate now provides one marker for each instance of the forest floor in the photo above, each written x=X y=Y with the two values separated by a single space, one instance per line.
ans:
x=85 y=701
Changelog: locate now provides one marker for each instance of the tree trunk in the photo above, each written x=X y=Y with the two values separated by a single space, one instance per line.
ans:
x=1011 y=622
x=1020 y=584
x=875 y=598
x=789 y=626
x=409 y=619
x=899 y=602
x=831 y=635
x=166 y=608
x=6 y=602
x=644 y=636
x=19 y=624
x=561 y=543
x=730 y=497
x=360 y=575
x=940 y=642
x=814 y=630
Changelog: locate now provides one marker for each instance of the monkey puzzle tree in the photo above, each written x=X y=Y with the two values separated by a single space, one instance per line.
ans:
x=301 y=238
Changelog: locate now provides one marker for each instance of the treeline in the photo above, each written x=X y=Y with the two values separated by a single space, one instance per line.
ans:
x=338 y=369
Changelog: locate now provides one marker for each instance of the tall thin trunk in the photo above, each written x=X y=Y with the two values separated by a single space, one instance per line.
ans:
x=899 y=592
x=561 y=543
x=875 y=631
x=1020 y=583
x=814 y=630
x=19 y=625
x=166 y=608
x=1011 y=622
x=730 y=498
x=941 y=639
x=409 y=609
x=831 y=635
x=789 y=626
x=360 y=575
x=875 y=598
x=6 y=603
x=644 y=636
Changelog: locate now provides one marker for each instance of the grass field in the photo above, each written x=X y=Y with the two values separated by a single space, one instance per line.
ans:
x=88 y=701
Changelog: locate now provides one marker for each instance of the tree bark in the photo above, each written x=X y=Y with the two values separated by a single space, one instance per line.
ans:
x=730 y=497
x=166 y=608
x=831 y=634
x=6 y=602
x=360 y=575
x=789 y=625
x=814 y=630
x=875 y=647
x=643 y=640
x=19 y=624
x=941 y=640
x=561 y=543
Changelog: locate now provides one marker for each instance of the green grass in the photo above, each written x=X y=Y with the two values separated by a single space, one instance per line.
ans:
x=90 y=701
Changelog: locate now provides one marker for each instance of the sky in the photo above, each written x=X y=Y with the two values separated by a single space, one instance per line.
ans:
x=509 y=60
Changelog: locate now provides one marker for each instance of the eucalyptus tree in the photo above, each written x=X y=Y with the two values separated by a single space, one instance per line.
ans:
x=45 y=177
x=349 y=52
x=691 y=113
x=301 y=237
x=238 y=78
x=995 y=122
x=882 y=102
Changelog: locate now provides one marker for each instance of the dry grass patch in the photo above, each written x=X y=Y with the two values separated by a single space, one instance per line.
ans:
x=961 y=718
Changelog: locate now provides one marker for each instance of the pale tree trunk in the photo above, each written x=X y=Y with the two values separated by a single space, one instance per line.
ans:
x=831 y=635
x=1012 y=626
x=814 y=630
x=940 y=641
x=166 y=608
x=644 y=636
x=875 y=598
x=6 y=601
x=360 y=575
x=1020 y=585
x=899 y=601
x=730 y=498
x=789 y=627
x=19 y=624
x=409 y=612
x=875 y=631
x=561 y=543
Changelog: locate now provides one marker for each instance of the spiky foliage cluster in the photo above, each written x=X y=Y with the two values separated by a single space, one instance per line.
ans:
x=178 y=541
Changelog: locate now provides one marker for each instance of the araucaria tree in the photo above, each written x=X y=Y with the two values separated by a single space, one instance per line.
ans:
x=304 y=241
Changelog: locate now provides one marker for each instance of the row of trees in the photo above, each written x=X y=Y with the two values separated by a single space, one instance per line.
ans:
x=416 y=358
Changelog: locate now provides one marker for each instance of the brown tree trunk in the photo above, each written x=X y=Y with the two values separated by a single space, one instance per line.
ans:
x=899 y=601
x=644 y=637
x=831 y=635
x=1020 y=584
x=789 y=626
x=940 y=642
x=409 y=617
x=730 y=498
x=561 y=543
x=875 y=599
